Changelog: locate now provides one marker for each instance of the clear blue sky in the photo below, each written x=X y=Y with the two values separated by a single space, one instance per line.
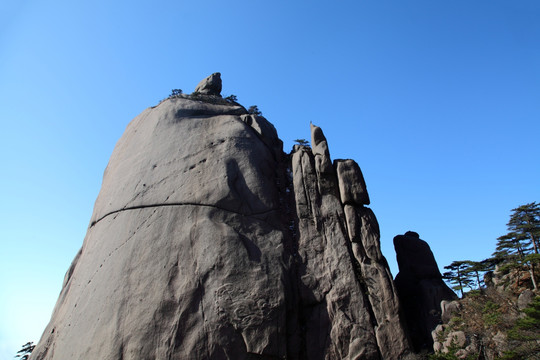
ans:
x=438 y=102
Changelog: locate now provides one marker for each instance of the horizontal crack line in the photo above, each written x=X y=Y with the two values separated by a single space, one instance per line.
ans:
x=178 y=204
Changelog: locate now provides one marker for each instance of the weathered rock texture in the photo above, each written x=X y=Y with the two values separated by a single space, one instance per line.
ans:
x=348 y=304
x=208 y=242
x=420 y=287
x=210 y=85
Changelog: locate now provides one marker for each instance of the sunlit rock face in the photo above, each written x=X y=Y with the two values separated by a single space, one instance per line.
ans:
x=208 y=242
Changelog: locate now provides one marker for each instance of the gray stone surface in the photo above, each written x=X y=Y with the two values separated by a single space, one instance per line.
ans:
x=323 y=164
x=352 y=186
x=456 y=339
x=335 y=310
x=375 y=274
x=525 y=299
x=437 y=333
x=210 y=85
x=167 y=155
x=184 y=258
x=341 y=263
x=449 y=309
x=206 y=242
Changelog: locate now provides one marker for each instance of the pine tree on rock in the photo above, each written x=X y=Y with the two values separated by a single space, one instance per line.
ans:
x=519 y=248
x=525 y=221
x=26 y=350
x=477 y=269
x=459 y=275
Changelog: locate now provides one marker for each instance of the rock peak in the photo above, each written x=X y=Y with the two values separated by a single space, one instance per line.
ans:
x=412 y=234
x=220 y=247
x=210 y=85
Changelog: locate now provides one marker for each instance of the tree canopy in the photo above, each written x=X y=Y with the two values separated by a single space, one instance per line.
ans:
x=26 y=350
x=518 y=250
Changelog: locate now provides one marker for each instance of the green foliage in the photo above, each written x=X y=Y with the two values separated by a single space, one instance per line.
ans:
x=468 y=274
x=254 y=110
x=26 y=350
x=231 y=98
x=525 y=221
x=519 y=249
x=458 y=275
x=527 y=328
x=302 y=142
x=443 y=356
x=176 y=92
x=525 y=335
x=491 y=314
x=532 y=319
x=451 y=355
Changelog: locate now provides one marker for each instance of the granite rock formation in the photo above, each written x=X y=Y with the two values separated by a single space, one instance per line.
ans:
x=420 y=288
x=210 y=85
x=208 y=242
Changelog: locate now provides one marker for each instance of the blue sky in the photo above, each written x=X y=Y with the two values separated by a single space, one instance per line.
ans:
x=438 y=102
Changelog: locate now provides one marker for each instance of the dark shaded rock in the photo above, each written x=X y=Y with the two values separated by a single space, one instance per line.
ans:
x=210 y=85
x=352 y=186
x=420 y=288
x=488 y=279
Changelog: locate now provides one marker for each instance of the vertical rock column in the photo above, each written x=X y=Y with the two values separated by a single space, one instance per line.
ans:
x=375 y=274
x=333 y=310
x=348 y=306
x=420 y=288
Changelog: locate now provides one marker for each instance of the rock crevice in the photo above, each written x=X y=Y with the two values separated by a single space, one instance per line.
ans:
x=180 y=204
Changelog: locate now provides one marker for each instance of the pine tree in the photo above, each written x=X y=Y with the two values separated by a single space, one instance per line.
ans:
x=478 y=269
x=519 y=248
x=26 y=350
x=459 y=275
x=525 y=335
x=254 y=110
x=302 y=142
x=526 y=221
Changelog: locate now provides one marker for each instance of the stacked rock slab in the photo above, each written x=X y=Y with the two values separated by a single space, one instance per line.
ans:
x=199 y=248
x=420 y=287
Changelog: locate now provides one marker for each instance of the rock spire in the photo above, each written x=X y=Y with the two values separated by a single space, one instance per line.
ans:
x=420 y=287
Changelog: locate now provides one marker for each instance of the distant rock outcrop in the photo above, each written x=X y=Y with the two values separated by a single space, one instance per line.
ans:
x=208 y=242
x=420 y=287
